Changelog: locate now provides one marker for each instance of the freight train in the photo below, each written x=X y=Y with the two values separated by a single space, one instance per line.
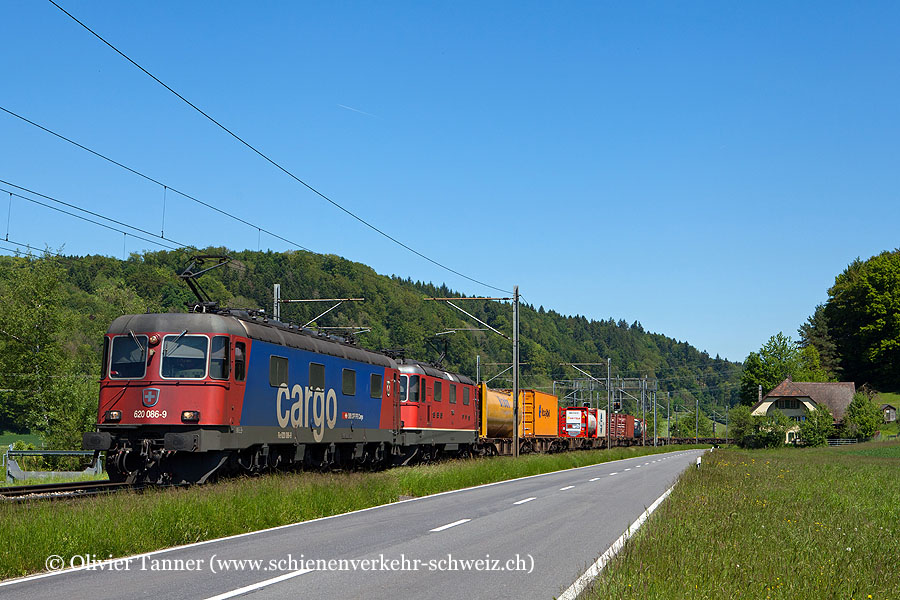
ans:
x=185 y=397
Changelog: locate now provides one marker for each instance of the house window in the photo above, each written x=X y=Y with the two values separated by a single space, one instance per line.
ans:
x=787 y=403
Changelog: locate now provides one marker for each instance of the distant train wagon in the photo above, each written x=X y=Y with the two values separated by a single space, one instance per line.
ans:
x=625 y=427
x=582 y=422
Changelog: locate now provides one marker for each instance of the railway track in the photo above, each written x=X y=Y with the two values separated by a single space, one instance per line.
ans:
x=60 y=491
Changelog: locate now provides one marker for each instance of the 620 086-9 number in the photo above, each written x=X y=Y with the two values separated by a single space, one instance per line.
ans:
x=150 y=414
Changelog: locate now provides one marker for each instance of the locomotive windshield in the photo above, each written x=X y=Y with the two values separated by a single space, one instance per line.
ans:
x=409 y=388
x=184 y=356
x=128 y=358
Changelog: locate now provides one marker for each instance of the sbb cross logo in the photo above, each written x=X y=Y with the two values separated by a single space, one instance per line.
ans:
x=150 y=397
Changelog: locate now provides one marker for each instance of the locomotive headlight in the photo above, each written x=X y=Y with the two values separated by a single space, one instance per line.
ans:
x=190 y=416
x=112 y=416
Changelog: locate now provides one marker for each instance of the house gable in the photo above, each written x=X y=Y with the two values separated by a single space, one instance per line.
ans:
x=807 y=396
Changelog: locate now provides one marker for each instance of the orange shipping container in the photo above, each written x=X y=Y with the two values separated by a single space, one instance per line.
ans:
x=537 y=413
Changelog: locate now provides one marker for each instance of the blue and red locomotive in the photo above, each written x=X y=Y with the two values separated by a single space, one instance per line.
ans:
x=187 y=396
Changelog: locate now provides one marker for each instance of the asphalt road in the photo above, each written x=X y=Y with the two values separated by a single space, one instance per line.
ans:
x=533 y=537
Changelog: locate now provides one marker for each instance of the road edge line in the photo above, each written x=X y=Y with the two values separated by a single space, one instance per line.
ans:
x=594 y=570
x=98 y=566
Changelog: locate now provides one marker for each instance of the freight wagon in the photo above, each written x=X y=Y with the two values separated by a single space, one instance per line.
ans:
x=538 y=430
x=625 y=429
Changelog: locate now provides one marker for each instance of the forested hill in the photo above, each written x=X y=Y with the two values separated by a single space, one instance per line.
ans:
x=72 y=300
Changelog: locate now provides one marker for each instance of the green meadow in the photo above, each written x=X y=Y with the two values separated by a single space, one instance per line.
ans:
x=789 y=524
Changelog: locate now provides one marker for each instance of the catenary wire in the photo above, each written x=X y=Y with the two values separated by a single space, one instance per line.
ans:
x=24 y=189
x=272 y=161
x=77 y=216
x=152 y=180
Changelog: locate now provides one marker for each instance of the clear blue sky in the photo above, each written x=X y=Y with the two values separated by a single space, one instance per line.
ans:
x=706 y=168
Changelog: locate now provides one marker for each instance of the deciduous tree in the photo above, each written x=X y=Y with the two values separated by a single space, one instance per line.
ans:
x=817 y=427
x=862 y=417
x=863 y=315
x=779 y=358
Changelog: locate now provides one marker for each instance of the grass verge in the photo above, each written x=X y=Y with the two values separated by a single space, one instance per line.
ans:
x=43 y=480
x=787 y=524
x=130 y=523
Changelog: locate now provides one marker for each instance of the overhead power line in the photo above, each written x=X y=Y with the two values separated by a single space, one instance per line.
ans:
x=77 y=216
x=165 y=187
x=84 y=210
x=272 y=161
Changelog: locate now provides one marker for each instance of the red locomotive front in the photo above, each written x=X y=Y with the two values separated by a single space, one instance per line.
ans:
x=165 y=377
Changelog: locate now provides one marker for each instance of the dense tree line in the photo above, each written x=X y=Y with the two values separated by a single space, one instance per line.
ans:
x=857 y=331
x=854 y=336
x=54 y=312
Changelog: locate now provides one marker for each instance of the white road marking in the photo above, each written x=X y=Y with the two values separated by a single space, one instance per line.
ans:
x=628 y=469
x=568 y=487
x=636 y=467
x=261 y=584
x=93 y=566
x=616 y=473
x=449 y=525
x=582 y=582
x=594 y=479
x=525 y=500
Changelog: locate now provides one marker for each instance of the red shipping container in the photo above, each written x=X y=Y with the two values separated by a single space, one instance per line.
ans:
x=622 y=426
x=577 y=421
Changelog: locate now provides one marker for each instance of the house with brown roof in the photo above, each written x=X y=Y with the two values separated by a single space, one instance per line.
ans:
x=797 y=398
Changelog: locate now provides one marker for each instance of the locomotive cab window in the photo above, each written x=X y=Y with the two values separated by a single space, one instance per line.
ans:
x=438 y=391
x=219 y=361
x=184 y=356
x=375 y=383
x=105 y=362
x=317 y=376
x=278 y=371
x=348 y=382
x=128 y=358
x=409 y=388
x=465 y=396
x=452 y=393
x=240 y=354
